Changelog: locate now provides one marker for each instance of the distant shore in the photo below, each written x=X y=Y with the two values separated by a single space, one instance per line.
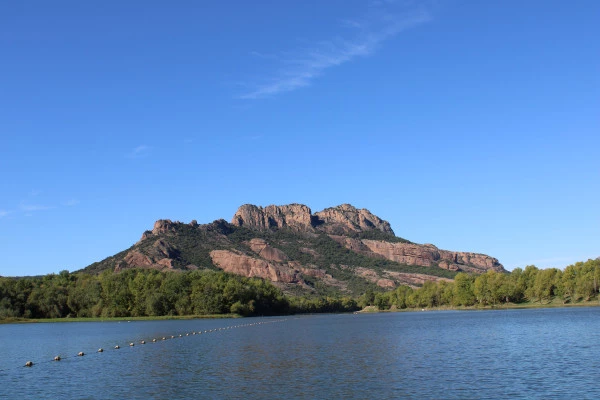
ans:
x=115 y=319
x=366 y=310
x=504 y=306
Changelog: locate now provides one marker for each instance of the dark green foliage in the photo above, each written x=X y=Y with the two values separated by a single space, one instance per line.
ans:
x=323 y=304
x=578 y=282
x=108 y=263
x=376 y=234
x=138 y=292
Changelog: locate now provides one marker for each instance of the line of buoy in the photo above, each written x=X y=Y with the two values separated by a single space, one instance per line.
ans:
x=154 y=340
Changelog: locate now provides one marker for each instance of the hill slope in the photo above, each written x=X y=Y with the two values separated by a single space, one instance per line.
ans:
x=338 y=250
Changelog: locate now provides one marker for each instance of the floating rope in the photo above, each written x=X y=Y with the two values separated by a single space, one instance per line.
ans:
x=155 y=340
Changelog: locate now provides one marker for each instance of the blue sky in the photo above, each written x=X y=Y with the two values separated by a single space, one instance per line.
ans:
x=472 y=125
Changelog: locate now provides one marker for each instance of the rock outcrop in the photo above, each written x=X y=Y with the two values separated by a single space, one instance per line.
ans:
x=343 y=219
x=424 y=255
x=241 y=264
x=161 y=226
x=296 y=217
x=260 y=247
x=346 y=219
x=160 y=255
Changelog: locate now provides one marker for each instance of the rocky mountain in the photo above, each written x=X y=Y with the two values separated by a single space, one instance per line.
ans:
x=338 y=250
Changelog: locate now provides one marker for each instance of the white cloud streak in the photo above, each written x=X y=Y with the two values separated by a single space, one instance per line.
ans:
x=301 y=70
x=70 y=203
x=32 y=207
x=139 y=151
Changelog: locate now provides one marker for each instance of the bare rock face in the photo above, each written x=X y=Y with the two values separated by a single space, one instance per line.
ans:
x=348 y=219
x=241 y=264
x=260 y=247
x=404 y=253
x=160 y=256
x=160 y=226
x=426 y=255
x=338 y=220
x=293 y=216
x=163 y=226
x=135 y=259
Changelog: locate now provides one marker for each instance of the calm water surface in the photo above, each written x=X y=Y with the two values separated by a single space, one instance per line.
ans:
x=531 y=354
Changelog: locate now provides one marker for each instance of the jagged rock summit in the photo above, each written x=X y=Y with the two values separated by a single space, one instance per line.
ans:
x=340 y=249
x=343 y=219
x=297 y=217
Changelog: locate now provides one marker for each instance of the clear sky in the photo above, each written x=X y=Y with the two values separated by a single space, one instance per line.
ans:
x=472 y=125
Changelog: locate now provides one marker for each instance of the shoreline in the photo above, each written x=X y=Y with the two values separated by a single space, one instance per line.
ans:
x=366 y=310
x=115 y=319
x=507 y=306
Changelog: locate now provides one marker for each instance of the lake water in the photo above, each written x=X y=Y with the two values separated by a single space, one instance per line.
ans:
x=543 y=354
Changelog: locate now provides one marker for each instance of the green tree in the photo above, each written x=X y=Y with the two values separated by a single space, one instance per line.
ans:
x=463 y=293
x=543 y=285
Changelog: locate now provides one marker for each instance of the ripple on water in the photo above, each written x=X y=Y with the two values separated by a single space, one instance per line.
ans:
x=506 y=354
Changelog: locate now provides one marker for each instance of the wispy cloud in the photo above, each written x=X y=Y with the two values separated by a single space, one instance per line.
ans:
x=139 y=151
x=32 y=207
x=300 y=68
x=29 y=208
x=70 y=203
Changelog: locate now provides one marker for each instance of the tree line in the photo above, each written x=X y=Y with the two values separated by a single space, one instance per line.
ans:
x=142 y=292
x=576 y=283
